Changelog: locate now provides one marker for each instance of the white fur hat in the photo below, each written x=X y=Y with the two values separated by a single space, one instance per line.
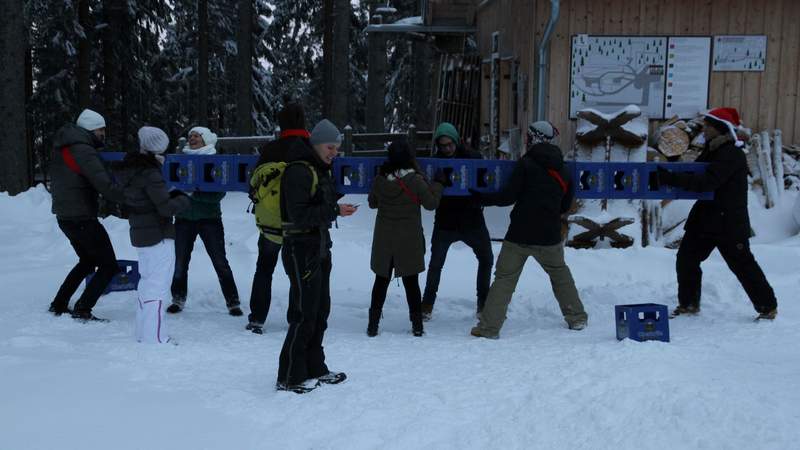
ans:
x=208 y=137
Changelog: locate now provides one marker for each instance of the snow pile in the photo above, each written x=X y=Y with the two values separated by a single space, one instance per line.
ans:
x=723 y=381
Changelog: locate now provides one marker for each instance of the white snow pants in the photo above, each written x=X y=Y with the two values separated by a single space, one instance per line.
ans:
x=156 y=265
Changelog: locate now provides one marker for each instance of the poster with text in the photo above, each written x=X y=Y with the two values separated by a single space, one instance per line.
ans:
x=607 y=73
x=688 y=61
x=740 y=53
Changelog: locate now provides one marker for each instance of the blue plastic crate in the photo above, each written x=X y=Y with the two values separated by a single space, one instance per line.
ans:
x=642 y=322
x=354 y=175
x=214 y=173
x=180 y=171
x=459 y=173
x=126 y=280
x=591 y=179
x=242 y=167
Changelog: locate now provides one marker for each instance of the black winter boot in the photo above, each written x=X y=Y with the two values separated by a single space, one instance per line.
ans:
x=374 y=320
x=416 y=324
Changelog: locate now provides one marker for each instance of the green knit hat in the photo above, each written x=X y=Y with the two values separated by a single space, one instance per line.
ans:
x=446 y=129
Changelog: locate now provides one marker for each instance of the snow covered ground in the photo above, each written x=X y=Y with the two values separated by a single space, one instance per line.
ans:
x=724 y=382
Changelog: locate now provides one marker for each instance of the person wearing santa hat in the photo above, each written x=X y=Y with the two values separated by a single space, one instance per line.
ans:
x=723 y=222
x=152 y=233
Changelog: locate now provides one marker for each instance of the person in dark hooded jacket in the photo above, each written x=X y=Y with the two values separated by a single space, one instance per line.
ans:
x=723 y=222
x=541 y=191
x=77 y=176
x=458 y=218
x=307 y=213
x=398 y=244
x=151 y=208
x=292 y=121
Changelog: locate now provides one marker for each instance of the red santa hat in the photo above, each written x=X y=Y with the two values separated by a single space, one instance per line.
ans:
x=730 y=117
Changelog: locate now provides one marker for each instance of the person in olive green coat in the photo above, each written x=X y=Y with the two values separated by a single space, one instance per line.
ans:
x=203 y=218
x=398 y=244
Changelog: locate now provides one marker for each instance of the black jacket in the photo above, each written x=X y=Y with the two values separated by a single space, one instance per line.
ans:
x=77 y=174
x=278 y=150
x=302 y=213
x=725 y=216
x=459 y=212
x=539 y=197
x=148 y=201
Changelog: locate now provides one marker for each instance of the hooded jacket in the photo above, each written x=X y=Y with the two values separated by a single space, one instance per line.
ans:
x=459 y=212
x=541 y=191
x=77 y=175
x=726 y=216
x=303 y=214
x=398 y=241
x=148 y=201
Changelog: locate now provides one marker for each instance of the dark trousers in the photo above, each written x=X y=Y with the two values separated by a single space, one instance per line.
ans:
x=413 y=295
x=695 y=249
x=481 y=244
x=213 y=235
x=261 y=292
x=302 y=356
x=91 y=243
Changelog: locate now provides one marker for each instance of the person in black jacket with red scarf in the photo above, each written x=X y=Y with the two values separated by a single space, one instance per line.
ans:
x=541 y=191
x=292 y=121
x=457 y=219
x=722 y=223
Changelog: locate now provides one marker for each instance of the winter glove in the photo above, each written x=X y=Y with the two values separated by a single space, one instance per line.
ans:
x=666 y=177
x=441 y=178
x=177 y=193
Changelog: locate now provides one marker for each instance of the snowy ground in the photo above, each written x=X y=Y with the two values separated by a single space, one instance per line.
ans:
x=723 y=381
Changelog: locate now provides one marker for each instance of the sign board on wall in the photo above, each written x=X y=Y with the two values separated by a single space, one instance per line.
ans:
x=687 y=76
x=740 y=53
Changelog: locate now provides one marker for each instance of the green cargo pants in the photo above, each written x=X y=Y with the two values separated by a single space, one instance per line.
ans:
x=507 y=272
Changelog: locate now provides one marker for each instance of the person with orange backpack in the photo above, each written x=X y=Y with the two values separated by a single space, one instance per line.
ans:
x=541 y=191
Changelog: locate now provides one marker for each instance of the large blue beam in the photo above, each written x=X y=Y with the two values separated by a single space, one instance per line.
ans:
x=353 y=175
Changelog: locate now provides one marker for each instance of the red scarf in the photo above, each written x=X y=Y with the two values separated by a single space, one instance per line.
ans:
x=295 y=133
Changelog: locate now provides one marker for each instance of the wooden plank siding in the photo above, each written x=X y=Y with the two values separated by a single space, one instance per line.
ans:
x=766 y=100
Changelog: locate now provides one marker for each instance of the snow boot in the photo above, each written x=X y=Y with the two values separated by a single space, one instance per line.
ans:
x=769 y=315
x=691 y=310
x=177 y=305
x=416 y=324
x=234 y=307
x=578 y=325
x=374 y=320
x=86 y=316
x=302 y=388
x=477 y=332
x=427 y=312
x=255 y=327
x=58 y=310
x=333 y=378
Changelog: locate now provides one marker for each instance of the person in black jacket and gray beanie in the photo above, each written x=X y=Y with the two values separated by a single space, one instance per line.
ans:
x=152 y=232
x=457 y=219
x=307 y=214
x=541 y=191
x=77 y=176
x=722 y=223
x=292 y=121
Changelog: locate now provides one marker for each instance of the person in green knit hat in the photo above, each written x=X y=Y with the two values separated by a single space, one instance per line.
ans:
x=204 y=219
x=457 y=219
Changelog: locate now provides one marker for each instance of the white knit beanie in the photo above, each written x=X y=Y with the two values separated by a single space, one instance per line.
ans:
x=208 y=137
x=153 y=140
x=90 y=120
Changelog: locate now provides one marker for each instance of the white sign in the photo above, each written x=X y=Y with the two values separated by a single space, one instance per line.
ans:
x=740 y=53
x=687 y=76
x=611 y=72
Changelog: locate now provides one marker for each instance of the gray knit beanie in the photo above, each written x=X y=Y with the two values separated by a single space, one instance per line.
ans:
x=326 y=132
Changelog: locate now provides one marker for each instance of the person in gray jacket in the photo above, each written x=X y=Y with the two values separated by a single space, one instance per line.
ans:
x=151 y=208
x=77 y=176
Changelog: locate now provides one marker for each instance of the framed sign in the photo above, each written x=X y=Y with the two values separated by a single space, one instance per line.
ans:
x=608 y=73
x=688 y=62
x=740 y=53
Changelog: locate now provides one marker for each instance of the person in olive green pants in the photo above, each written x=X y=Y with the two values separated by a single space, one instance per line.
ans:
x=541 y=191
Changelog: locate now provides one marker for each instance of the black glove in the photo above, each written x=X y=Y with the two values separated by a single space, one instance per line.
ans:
x=177 y=193
x=666 y=177
x=441 y=178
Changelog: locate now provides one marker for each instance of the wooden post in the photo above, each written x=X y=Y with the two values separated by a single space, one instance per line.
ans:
x=13 y=170
x=777 y=162
x=376 y=79
x=412 y=138
x=347 y=143
x=244 y=78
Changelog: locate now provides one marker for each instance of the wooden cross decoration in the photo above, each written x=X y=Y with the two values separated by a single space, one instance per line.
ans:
x=600 y=231
x=610 y=129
